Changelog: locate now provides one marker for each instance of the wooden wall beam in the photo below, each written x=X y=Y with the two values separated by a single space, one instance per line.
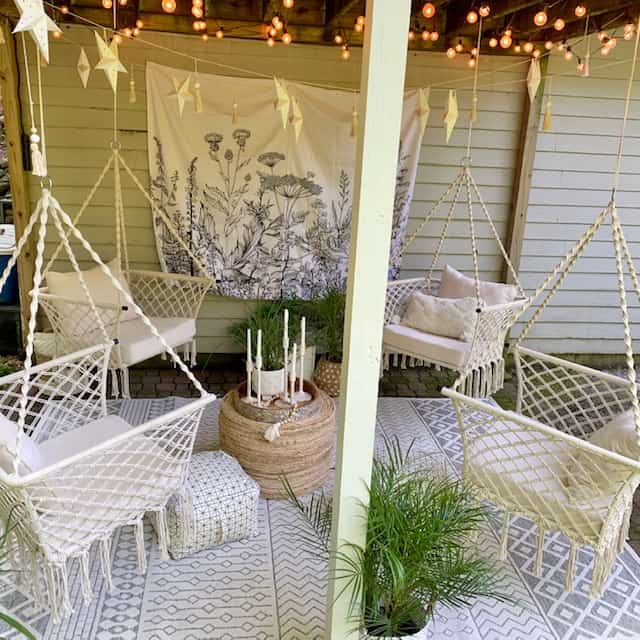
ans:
x=18 y=180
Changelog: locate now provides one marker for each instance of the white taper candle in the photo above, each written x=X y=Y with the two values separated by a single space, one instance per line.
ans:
x=259 y=365
x=303 y=346
x=292 y=375
x=249 y=363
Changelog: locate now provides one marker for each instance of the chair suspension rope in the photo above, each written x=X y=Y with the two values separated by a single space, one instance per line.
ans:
x=474 y=243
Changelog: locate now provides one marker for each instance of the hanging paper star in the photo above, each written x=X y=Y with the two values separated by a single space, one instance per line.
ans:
x=181 y=92
x=296 y=117
x=533 y=78
x=423 y=108
x=83 y=66
x=34 y=20
x=451 y=116
x=282 y=100
x=109 y=61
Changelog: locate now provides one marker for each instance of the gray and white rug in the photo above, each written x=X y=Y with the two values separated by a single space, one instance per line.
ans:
x=272 y=588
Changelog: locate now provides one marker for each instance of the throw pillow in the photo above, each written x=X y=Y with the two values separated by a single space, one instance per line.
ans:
x=30 y=459
x=454 y=284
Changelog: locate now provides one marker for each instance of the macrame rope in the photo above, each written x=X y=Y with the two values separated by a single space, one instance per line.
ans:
x=43 y=135
x=474 y=244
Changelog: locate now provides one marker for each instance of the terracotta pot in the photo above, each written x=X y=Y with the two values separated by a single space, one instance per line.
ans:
x=272 y=382
x=327 y=376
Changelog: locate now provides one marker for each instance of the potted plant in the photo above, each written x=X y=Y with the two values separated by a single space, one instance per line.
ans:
x=14 y=624
x=268 y=316
x=417 y=553
x=326 y=317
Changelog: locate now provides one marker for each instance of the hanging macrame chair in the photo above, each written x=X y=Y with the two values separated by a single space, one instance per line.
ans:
x=70 y=473
x=478 y=360
x=568 y=457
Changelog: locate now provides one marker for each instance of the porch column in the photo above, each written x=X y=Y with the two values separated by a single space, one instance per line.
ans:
x=382 y=85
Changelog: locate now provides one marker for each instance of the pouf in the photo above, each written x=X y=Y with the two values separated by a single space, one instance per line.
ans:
x=219 y=504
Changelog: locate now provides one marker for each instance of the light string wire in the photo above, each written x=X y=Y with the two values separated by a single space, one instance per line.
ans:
x=474 y=94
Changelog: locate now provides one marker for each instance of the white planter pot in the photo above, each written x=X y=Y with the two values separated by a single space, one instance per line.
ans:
x=272 y=382
x=421 y=635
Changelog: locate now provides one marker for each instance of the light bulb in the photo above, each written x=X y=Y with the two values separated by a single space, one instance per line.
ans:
x=472 y=17
x=628 y=35
x=517 y=48
x=57 y=35
x=64 y=9
x=272 y=32
x=613 y=41
x=122 y=3
x=451 y=52
x=528 y=47
x=580 y=66
x=474 y=51
x=602 y=35
x=605 y=51
x=286 y=38
x=338 y=39
x=358 y=27
x=536 y=53
x=412 y=34
x=270 y=42
x=568 y=54
x=205 y=36
x=493 y=42
x=484 y=10
x=139 y=24
x=459 y=47
x=288 y=4
x=509 y=31
x=548 y=45
x=220 y=33
x=168 y=6
x=558 y=24
x=360 y=20
x=429 y=10
x=197 y=12
x=197 y=3
x=107 y=4
x=425 y=34
x=117 y=38
x=345 y=54
x=506 y=41
x=136 y=32
x=472 y=62
x=434 y=36
x=580 y=10
x=540 y=19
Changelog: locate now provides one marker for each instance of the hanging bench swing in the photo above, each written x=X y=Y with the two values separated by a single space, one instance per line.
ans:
x=457 y=322
x=568 y=458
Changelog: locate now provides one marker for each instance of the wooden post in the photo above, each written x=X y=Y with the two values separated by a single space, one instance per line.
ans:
x=382 y=84
x=524 y=170
x=18 y=180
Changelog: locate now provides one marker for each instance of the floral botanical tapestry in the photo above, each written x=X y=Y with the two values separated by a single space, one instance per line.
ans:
x=261 y=189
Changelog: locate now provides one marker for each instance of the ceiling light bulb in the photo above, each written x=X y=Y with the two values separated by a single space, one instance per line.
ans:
x=434 y=36
x=493 y=42
x=360 y=20
x=425 y=34
x=602 y=35
x=64 y=9
x=288 y=4
x=107 y=4
x=517 y=48
x=536 y=53
x=474 y=51
x=613 y=41
x=136 y=32
x=568 y=54
x=548 y=45
x=459 y=47
x=429 y=10
x=220 y=33
x=168 y=6
x=272 y=31
x=509 y=31
x=122 y=3
x=358 y=27
x=139 y=24
x=127 y=32
x=205 y=36
x=528 y=47
x=472 y=17
x=540 y=19
x=472 y=62
x=117 y=38
x=197 y=12
x=345 y=53
x=580 y=66
x=580 y=10
x=270 y=41
x=412 y=34
x=558 y=24
x=484 y=10
x=286 y=38
x=628 y=35
x=451 y=52
x=506 y=41
x=605 y=51
x=338 y=39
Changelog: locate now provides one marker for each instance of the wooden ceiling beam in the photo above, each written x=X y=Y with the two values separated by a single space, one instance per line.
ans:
x=457 y=16
x=337 y=11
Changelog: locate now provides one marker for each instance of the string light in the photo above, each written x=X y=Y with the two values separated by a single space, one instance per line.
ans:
x=613 y=41
x=64 y=9
x=434 y=36
x=286 y=37
x=580 y=66
x=122 y=3
x=580 y=10
x=168 y=6
x=506 y=40
x=426 y=35
x=272 y=32
x=548 y=45
x=270 y=42
x=107 y=4
x=220 y=33
x=517 y=48
x=360 y=20
x=472 y=62
x=629 y=30
x=337 y=38
x=536 y=53
x=568 y=54
x=493 y=42
x=558 y=24
x=602 y=35
x=451 y=52
x=345 y=54
x=136 y=32
x=197 y=12
x=484 y=10
x=412 y=34
x=429 y=10
x=288 y=4
x=528 y=46
x=57 y=34
x=357 y=26
x=139 y=24
x=474 y=51
x=459 y=47
x=540 y=19
x=472 y=16
x=127 y=32
x=117 y=38
x=205 y=36
x=605 y=51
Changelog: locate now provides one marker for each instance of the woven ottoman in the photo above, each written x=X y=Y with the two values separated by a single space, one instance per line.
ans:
x=219 y=504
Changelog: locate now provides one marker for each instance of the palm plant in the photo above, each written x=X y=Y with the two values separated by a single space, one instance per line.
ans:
x=417 y=553
x=326 y=317
x=5 y=551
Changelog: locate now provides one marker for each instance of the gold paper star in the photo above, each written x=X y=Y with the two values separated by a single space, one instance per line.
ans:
x=83 y=67
x=451 y=117
x=282 y=100
x=533 y=78
x=109 y=61
x=34 y=20
x=181 y=92
x=296 y=117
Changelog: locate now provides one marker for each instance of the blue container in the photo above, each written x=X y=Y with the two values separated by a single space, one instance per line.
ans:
x=9 y=293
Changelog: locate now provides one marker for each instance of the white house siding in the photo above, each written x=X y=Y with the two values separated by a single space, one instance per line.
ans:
x=571 y=183
x=79 y=129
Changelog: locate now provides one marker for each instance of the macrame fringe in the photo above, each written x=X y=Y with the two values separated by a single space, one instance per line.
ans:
x=194 y=353
x=504 y=540
x=38 y=166
x=602 y=564
x=484 y=380
x=537 y=570
x=186 y=515
x=85 y=580
x=52 y=595
x=105 y=560
x=140 y=549
x=38 y=594
x=66 y=608
x=115 y=387
x=571 y=567
x=163 y=534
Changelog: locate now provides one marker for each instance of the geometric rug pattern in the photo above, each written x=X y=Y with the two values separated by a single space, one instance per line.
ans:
x=271 y=587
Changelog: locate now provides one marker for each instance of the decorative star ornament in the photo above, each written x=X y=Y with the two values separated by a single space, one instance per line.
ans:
x=34 y=20
x=533 y=78
x=83 y=67
x=282 y=101
x=109 y=61
x=181 y=93
x=296 y=117
x=424 y=109
x=451 y=116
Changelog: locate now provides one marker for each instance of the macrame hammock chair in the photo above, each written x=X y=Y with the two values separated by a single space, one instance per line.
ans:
x=70 y=473
x=568 y=458
x=478 y=361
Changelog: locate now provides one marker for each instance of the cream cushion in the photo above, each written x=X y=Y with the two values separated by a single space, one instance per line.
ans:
x=525 y=469
x=452 y=318
x=67 y=285
x=440 y=349
x=454 y=284
x=30 y=451
x=137 y=343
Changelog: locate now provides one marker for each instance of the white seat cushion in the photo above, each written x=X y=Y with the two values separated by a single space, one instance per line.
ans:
x=439 y=349
x=137 y=343
x=30 y=451
x=82 y=439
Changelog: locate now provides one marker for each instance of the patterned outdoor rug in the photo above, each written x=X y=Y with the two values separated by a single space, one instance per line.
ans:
x=271 y=588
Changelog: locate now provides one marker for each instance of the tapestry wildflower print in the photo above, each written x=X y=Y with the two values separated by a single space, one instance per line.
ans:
x=266 y=211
